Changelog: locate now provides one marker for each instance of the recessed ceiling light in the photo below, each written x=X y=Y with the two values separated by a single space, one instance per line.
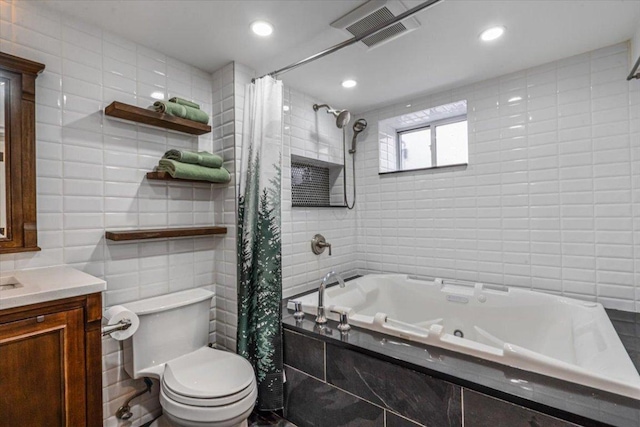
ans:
x=285 y=108
x=349 y=83
x=262 y=28
x=491 y=34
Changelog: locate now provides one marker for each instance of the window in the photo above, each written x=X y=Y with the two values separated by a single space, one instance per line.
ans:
x=441 y=143
x=430 y=138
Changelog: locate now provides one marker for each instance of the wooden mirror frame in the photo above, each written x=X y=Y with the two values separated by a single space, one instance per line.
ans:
x=20 y=148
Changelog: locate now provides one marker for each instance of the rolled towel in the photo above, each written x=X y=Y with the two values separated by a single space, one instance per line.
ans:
x=170 y=108
x=195 y=114
x=184 y=102
x=202 y=158
x=196 y=172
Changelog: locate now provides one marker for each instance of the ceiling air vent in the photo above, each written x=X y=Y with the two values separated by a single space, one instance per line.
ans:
x=370 y=15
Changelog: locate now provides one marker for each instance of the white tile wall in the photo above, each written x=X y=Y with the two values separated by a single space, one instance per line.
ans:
x=635 y=45
x=549 y=201
x=313 y=135
x=91 y=169
x=233 y=79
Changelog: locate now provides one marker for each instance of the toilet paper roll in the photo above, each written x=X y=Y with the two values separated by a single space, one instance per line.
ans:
x=117 y=313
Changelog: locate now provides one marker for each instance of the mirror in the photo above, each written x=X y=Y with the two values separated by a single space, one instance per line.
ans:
x=18 y=229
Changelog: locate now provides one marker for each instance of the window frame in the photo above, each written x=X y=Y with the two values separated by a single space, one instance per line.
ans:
x=434 y=144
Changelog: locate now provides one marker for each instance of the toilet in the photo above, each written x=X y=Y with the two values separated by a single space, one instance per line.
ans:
x=199 y=386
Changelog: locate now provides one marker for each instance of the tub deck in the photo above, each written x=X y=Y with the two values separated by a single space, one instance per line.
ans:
x=554 y=336
x=565 y=400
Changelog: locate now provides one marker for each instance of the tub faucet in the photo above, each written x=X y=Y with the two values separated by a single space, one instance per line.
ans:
x=321 y=319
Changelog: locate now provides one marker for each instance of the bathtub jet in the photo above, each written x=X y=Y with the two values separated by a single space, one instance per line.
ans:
x=555 y=336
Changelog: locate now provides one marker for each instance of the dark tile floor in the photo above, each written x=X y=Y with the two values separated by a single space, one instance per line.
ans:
x=268 y=419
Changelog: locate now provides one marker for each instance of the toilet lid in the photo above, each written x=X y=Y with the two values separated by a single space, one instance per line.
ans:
x=208 y=373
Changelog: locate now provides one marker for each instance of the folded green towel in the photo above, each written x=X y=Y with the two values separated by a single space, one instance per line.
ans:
x=170 y=108
x=195 y=114
x=181 y=111
x=185 y=102
x=202 y=158
x=188 y=171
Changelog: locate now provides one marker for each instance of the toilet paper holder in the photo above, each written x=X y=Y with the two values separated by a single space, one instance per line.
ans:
x=122 y=325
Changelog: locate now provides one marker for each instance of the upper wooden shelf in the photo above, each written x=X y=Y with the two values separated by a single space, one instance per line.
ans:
x=159 y=233
x=164 y=176
x=153 y=118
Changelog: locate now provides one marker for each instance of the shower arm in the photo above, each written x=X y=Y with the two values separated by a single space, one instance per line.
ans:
x=330 y=109
x=353 y=40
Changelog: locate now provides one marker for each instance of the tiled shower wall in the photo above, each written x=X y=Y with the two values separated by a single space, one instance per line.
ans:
x=313 y=135
x=91 y=169
x=550 y=199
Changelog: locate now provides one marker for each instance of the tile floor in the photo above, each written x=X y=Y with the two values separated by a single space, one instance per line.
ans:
x=268 y=419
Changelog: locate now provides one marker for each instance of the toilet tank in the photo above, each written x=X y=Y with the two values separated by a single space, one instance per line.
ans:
x=170 y=326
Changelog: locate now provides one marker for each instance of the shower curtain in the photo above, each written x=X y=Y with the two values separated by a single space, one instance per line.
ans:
x=259 y=244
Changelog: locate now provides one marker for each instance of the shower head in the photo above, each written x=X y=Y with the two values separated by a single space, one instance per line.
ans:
x=359 y=126
x=343 y=117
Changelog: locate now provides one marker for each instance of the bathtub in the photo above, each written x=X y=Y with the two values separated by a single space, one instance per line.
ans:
x=555 y=336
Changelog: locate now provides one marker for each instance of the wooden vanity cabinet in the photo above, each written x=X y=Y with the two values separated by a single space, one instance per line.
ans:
x=50 y=364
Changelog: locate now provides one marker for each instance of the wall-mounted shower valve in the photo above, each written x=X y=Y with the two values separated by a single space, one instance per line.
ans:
x=319 y=243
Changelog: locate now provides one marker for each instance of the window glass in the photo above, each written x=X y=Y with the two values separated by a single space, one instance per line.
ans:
x=414 y=149
x=452 y=144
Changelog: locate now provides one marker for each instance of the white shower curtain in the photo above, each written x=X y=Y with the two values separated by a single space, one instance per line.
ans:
x=259 y=244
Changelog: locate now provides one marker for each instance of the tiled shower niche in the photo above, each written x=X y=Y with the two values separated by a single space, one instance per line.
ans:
x=315 y=183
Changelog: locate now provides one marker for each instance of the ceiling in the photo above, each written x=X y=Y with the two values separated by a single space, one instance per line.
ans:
x=444 y=52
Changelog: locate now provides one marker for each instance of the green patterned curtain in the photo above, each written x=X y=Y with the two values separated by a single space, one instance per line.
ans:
x=259 y=244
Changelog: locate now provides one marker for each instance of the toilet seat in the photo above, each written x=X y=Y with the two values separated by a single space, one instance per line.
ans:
x=206 y=386
x=220 y=415
x=214 y=401
x=208 y=373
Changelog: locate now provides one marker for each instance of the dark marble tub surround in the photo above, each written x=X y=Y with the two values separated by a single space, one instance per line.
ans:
x=358 y=390
x=393 y=420
x=411 y=394
x=311 y=402
x=485 y=411
x=627 y=325
x=558 y=399
x=305 y=354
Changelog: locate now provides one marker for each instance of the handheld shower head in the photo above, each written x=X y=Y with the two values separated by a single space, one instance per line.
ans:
x=343 y=117
x=359 y=126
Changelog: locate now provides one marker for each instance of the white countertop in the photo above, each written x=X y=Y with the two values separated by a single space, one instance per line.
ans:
x=24 y=287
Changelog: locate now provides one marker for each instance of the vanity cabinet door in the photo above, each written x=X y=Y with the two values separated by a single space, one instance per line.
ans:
x=42 y=366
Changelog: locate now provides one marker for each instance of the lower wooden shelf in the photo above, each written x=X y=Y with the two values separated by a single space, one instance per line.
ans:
x=165 y=176
x=163 y=233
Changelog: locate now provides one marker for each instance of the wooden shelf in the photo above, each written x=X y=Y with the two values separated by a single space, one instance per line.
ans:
x=164 y=176
x=153 y=118
x=163 y=233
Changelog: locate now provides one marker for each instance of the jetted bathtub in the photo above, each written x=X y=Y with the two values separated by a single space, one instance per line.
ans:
x=560 y=337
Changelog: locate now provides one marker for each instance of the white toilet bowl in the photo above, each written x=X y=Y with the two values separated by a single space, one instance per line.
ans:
x=208 y=388
x=199 y=386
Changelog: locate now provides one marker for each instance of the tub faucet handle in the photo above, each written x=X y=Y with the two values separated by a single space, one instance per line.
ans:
x=298 y=314
x=319 y=243
x=343 y=326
